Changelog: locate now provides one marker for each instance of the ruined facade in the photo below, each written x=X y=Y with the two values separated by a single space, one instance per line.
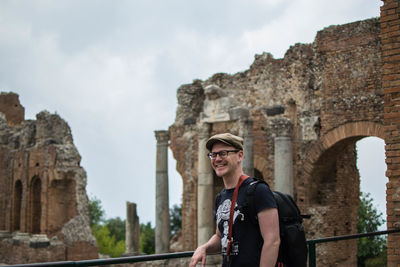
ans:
x=320 y=99
x=44 y=214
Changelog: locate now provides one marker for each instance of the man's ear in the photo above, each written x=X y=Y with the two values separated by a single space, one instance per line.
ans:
x=241 y=155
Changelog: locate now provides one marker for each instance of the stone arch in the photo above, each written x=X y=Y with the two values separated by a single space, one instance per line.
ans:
x=17 y=203
x=35 y=205
x=332 y=183
x=351 y=132
x=348 y=130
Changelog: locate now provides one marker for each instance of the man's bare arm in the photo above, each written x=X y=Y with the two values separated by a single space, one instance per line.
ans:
x=213 y=245
x=269 y=226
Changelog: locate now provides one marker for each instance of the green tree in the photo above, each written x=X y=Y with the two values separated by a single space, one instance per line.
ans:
x=147 y=238
x=106 y=242
x=175 y=219
x=371 y=250
x=96 y=212
x=109 y=234
x=117 y=228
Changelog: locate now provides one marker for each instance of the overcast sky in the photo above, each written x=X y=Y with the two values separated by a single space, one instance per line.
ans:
x=111 y=70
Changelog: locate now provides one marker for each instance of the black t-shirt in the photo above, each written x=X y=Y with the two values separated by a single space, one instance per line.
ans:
x=247 y=239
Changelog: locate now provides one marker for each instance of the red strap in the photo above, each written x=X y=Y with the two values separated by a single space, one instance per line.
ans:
x=234 y=197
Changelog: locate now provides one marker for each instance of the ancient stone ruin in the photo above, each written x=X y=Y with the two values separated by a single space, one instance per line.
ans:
x=300 y=117
x=44 y=214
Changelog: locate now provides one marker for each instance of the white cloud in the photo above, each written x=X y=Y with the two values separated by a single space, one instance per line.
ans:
x=300 y=21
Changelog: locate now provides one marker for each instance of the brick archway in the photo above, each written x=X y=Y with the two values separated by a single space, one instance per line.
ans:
x=331 y=190
x=348 y=130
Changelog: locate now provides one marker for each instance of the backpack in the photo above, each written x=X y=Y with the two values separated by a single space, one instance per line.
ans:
x=293 y=248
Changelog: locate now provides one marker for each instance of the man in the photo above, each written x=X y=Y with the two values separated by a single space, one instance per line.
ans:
x=251 y=244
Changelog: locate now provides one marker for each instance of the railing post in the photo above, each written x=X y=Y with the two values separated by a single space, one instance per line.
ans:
x=311 y=254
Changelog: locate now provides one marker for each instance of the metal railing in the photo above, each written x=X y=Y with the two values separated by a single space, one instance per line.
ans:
x=132 y=259
x=97 y=262
x=311 y=243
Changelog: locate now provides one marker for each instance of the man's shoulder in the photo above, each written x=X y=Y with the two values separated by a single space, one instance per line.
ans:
x=262 y=194
x=257 y=184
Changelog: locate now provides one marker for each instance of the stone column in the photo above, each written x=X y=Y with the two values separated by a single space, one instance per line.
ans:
x=246 y=131
x=205 y=189
x=132 y=228
x=283 y=165
x=162 y=198
x=283 y=158
x=241 y=114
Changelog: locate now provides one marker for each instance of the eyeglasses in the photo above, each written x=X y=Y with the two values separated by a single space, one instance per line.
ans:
x=222 y=154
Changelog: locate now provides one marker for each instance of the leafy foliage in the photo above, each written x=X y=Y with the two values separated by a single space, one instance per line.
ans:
x=106 y=242
x=371 y=250
x=96 y=211
x=108 y=233
x=147 y=238
x=117 y=228
x=175 y=219
x=147 y=232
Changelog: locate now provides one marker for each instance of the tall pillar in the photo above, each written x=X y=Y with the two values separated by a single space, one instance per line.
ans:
x=162 y=198
x=246 y=131
x=132 y=228
x=205 y=189
x=242 y=114
x=283 y=158
x=283 y=165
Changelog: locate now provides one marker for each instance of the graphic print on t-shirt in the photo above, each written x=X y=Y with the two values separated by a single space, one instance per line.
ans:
x=223 y=220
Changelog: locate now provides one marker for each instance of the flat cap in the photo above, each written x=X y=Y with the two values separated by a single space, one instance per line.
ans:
x=226 y=138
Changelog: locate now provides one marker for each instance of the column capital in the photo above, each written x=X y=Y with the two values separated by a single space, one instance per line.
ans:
x=162 y=136
x=281 y=126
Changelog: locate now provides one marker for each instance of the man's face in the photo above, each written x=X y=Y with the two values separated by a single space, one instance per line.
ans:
x=228 y=165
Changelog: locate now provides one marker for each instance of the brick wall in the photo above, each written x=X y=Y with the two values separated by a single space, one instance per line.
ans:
x=390 y=38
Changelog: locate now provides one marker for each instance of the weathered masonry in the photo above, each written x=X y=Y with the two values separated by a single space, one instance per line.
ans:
x=390 y=39
x=44 y=214
x=300 y=117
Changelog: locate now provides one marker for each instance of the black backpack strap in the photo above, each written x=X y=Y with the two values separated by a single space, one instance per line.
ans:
x=287 y=208
x=249 y=206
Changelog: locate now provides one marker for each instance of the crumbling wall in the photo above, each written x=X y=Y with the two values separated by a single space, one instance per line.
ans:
x=11 y=108
x=44 y=207
x=325 y=96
